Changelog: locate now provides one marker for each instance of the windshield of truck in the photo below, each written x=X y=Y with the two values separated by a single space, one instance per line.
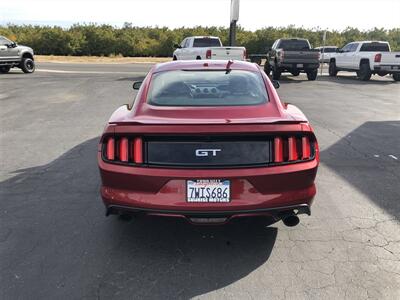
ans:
x=294 y=45
x=207 y=88
x=206 y=42
x=375 y=47
x=4 y=41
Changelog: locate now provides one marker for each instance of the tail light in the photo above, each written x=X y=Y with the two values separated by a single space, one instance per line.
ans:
x=293 y=149
x=110 y=150
x=378 y=57
x=138 y=151
x=208 y=54
x=123 y=150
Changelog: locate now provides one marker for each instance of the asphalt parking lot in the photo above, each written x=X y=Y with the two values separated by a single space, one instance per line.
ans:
x=56 y=243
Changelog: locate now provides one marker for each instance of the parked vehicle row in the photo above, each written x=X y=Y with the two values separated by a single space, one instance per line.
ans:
x=14 y=55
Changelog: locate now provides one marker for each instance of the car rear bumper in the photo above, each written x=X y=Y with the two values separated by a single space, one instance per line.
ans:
x=270 y=191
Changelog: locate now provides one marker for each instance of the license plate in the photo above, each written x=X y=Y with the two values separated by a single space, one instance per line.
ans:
x=208 y=191
x=299 y=65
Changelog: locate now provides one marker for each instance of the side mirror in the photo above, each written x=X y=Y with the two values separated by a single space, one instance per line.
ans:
x=276 y=84
x=177 y=46
x=136 y=85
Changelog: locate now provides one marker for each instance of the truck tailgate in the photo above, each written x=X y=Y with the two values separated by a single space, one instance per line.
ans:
x=234 y=53
x=390 y=58
x=301 y=57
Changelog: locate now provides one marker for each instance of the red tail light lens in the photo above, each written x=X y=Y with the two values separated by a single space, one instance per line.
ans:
x=378 y=57
x=123 y=149
x=278 y=148
x=293 y=149
x=208 y=54
x=293 y=155
x=138 y=151
x=110 y=151
x=306 y=147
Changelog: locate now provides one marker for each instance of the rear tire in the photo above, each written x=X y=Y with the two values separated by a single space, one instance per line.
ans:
x=396 y=76
x=174 y=58
x=312 y=74
x=5 y=69
x=276 y=73
x=27 y=65
x=332 y=69
x=365 y=72
x=198 y=57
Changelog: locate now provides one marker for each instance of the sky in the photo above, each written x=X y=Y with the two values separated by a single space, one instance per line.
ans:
x=254 y=14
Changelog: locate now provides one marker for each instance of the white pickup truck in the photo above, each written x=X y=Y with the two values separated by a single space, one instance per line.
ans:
x=207 y=47
x=366 y=58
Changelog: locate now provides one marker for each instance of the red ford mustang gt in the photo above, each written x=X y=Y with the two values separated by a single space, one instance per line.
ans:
x=208 y=142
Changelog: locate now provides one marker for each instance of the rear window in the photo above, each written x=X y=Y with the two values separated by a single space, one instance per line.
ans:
x=294 y=45
x=375 y=47
x=207 y=88
x=206 y=42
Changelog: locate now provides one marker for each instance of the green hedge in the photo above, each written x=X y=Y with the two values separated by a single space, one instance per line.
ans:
x=105 y=40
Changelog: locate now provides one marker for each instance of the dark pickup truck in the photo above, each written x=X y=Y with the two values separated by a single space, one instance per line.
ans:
x=294 y=56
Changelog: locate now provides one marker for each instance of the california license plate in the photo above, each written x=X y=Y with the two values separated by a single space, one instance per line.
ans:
x=208 y=191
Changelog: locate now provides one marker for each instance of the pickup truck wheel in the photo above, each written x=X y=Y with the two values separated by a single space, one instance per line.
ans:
x=276 y=73
x=332 y=69
x=312 y=74
x=27 y=65
x=396 y=76
x=174 y=58
x=4 y=69
x=365 y=72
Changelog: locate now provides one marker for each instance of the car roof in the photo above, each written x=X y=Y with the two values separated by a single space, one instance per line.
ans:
x=204 y=37
x=205 y=65
x=360 y=42
x=293 y=39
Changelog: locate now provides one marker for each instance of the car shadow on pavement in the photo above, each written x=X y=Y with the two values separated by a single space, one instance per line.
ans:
x=369 y=159
x=56 y=242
